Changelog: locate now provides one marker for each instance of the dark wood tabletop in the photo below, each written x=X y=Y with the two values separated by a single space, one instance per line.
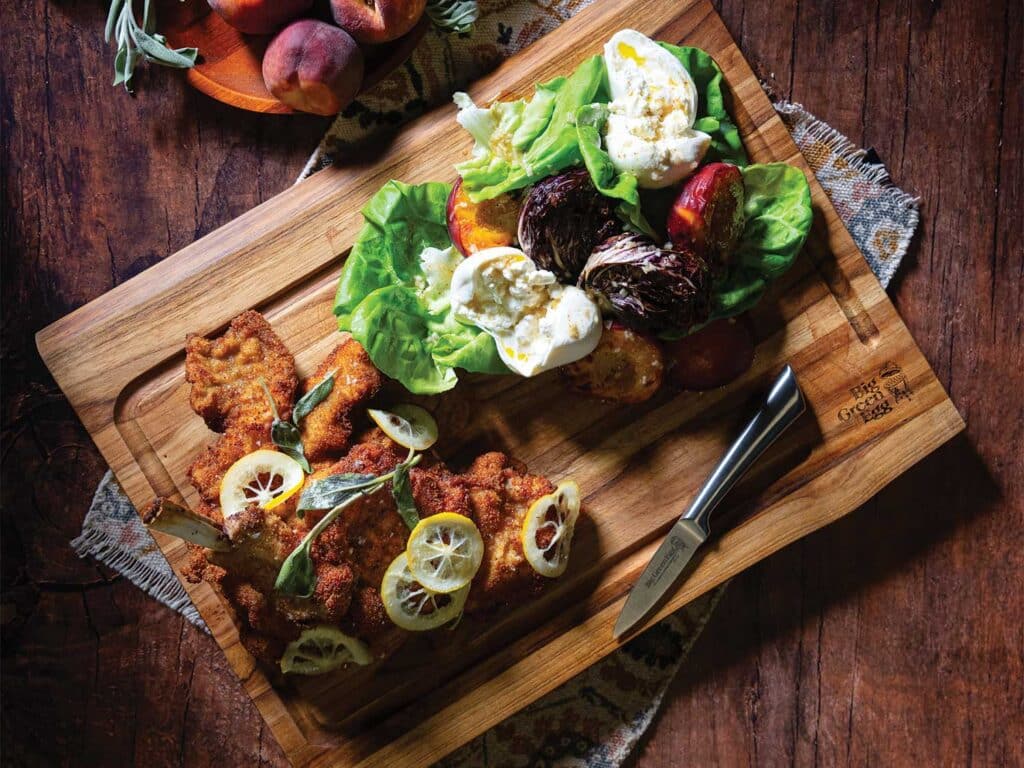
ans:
x=896 y=636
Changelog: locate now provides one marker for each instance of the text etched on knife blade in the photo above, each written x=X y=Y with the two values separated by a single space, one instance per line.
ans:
x=677 y=545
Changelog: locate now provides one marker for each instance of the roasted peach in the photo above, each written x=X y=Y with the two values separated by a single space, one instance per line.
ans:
x=713 y=356
x=626 y=367
x=313 y=67
x=707 y=215
x=476 y=226
x=377 y=21
x=259 y=17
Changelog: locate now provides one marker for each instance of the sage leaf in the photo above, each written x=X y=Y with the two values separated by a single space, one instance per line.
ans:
x=112 y=17
x=287 y=438
x=333 y=490
x=299 y=456
x=121 y=66
x=453 y=15
x=313 y=398
x=401 y=489
x=298 y=574
x=270 y=399
x=135 y=43
x=285 y=434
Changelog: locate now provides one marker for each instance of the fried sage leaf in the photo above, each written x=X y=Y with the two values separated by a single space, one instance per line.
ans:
x=285 y=434
x=333 y=490
x=287 y=438
x=401 y=489
x=298 y=574
x=313 y=398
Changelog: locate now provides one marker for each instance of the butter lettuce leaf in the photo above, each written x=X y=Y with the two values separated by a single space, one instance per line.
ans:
x=520 y=142
x=778 y=212
x=590 y=120
x=779 y=215
x=391 y=305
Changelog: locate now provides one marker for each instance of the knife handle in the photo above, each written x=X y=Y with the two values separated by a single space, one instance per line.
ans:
x=783 y=406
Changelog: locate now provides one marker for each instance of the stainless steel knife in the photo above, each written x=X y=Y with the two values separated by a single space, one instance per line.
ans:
x=784 y=404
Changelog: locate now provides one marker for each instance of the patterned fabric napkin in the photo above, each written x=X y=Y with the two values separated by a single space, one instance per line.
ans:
x=596 y=718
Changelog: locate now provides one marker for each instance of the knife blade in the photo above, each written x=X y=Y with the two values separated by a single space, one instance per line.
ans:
x=668 y=562
x=783 y=405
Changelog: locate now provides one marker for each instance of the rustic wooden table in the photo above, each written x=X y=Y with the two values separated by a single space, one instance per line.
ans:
x=892 y=637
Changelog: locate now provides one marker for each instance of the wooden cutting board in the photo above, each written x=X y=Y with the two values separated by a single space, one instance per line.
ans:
x=875 y=408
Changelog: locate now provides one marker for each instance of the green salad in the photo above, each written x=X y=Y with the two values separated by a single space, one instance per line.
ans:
x=588 y=180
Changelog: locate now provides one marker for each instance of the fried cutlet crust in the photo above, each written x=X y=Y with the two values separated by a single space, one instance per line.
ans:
x=500 y=492
x=327 y=428
x=225 y=374
x=351 y=555
x=207 y=470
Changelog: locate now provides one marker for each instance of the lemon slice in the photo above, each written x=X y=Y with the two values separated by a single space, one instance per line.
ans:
x=548 y=528
x=412 y=606
x=444 y=552
x=321 y=649
x=408 y=425
x=265 y=478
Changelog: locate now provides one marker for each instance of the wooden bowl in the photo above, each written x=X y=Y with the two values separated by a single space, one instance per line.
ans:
x=229 y=68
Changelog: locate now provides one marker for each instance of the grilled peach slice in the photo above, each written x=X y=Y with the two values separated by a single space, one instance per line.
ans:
x=713 y=356
x=476 y=226
x=626 y=367
x=707 y=215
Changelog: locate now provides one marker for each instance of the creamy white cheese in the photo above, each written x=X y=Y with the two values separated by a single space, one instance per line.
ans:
x=650 y=132
x=536 y=323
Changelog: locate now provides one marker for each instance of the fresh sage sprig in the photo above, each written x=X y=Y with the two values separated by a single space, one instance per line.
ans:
x=140 y=43
x=453 y=15
x=298 y=574
x=286 y=434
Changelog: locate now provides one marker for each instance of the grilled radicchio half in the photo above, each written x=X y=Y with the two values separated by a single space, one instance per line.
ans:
x=563 y=218
x=649 y=287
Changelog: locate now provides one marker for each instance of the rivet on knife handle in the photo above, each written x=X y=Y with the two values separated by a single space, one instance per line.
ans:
x=782 y=407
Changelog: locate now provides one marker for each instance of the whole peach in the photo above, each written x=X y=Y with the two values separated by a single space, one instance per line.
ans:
x=313 y=67
x=259 y=17
x=377 y=21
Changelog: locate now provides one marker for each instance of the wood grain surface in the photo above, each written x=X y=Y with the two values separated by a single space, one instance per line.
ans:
x=832 y=650
x=874 y=409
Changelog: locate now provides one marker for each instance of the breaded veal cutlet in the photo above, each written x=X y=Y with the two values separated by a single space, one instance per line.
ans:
x=352 y=553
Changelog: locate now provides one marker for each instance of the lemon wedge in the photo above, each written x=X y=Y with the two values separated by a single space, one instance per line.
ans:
x=548 y=528
x=444 y=552
x=265 y=478
x=408 y=425
x=412 y=606
x=322 y=649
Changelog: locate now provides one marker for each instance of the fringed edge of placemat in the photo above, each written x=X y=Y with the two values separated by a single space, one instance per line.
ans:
x=797 y=118
x=164 y=586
